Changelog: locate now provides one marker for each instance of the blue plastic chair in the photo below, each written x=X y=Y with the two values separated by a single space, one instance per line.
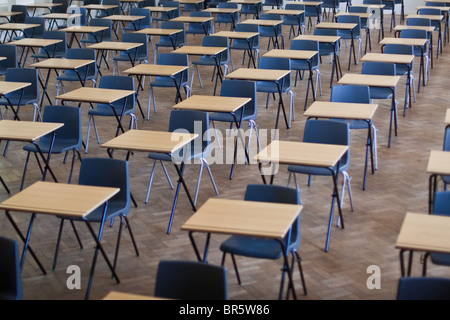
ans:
x=270 y=87
x=187 y=121
x=446 y=147
x=10 y=52
x=191 y=280
x=140 y=24
x=224 y=58
x=239 y=44
x=262 y=248
x=139 y=54
x=273 y=3
x=199 y=28
x=347 y=35
x=11 y=287
x=272 y=33
x=58 y=50
x=72 y=75
x=423 y=288
x=104 y=110
x=313 y=12
x=67 y=138
x=327 y=49
x=227 y=18
x=166 y=16
x=171 y=59
x=436 y=24
x=20 y=18
x=105 y=35
x=62 y=8
x=36 y=32
x=105 y=172
x=356 y=94
x=113 y=11
x=364 y=24
x=30 y=94
x=251 y=9
x=302 y=66
x=420 y=34
x=293 y=21
x=329 y=132
x=178 y=39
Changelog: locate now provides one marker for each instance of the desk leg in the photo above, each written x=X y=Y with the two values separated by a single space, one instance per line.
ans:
x=219 y=71
x=250 y=51
x=335 y=197
x=310 y=81
x=139 y=79
x=393 y=118
x=281 y=104
x=432 y=188
x=369 y=149
x=408 y=91
x=352 y=50
x=119 y=119
x=287 y=268
x=195 y=247
x=44 y=88
x=238 y=126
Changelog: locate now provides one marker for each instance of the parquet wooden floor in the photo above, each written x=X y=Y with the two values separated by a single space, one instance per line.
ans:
x=399 y=185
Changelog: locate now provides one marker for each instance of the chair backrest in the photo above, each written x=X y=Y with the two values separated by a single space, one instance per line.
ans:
x=242 y=89
x=277 y=64
x=378 y=68
x=191 y=121
x=79 y=21
x=11 y=287
x=113 y=11
x=277 y=194
x=357 y=9
x=71 y=117
x=107 y=172
x=350 y=19
x=430 y=11
x=414 y=33
x=62 y=8
x=311 y=45
x=197 y=27
x=87 y=54
x=105 y=35
x=417 y=21
x=120 y=83
x=441 y=203
x=372 y=2
x=147 y=3
x=394 y=48
x=36 y=32
x=180 y=38
x=218 y=41
x=173 y=4
x=60 y=49
x=20 y=18
x=175 y=59
x=244 y=27
x=191 y=280
x=10 y=52
x=329 y=132
x=423 y=288
x=24 y=75
x=350 y=93
x=142 y=51
x=143 y=23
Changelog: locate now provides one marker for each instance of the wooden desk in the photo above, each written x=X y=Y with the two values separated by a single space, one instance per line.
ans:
x=228 y=11
x=267 y=23
x=30 y=131
x=433 y=18
x=276 y=76
x=42 y=44
x=8 y=87
x=142 y=70
x=230 y=105
x=245 y=218
x=438 y=165
x=372 y=8
x=60 y=199
x=160 y=142
x=287 y=12
x=305 y=154
x=52 y=17
x=170 y=11
x=333 y=41
x=349 y=111
x=404 y=59
x=163 y=32
x=342 y=26
x=305 y=55
x=122 y=19
x=376 y=81
x=99 y=7
x=103 y=46
x=215 y=52
x=61 y=64
x=199 y=20
x=422 y=232
x=8 y=14
x=13 y=27
x=249 y=37
x=49 y=6
x=102 y=96
x=192 y=5
x=83 y=30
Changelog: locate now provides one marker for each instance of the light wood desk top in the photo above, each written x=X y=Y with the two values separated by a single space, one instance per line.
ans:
x=286 y=12
x=426 y=16
x=95 y=95
x=323 y=39
x=114 y=45
x=221 y=10
x=370 y=80
x=5 y=14
x=150 y=141
x=336 y=25
x=447 y=116
x=257 y=74
x=291 y=54
x=159 y=31
x=246 y=1
x=401 y=27
x=339 y=110
x=302 y=153
x=26 y=130
x=362 y=15
x=99 y=6
x=192 y=19
x=43 y=5
x=236 y=34
x=155 y=70
x=424 y=232
x=442 y=8
x=407 y=41
x=9 y=86
x=439 y=162
x=84 y=29
x=200 y=50
x=124 y=18
x=61 y=16
x=34 y=42
x=160 y=9
x=373 y=6
x=264 y=23
x=388 y=57
x=309 y=3
x=59 y=63
x=247 y=218
x=189 y=1
x=212 y=103
x=18 y=26
x=441 y=1
x=61 y=199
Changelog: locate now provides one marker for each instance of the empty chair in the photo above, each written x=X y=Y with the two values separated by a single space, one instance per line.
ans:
x=62 y=8
x=327 y=49
x=105 y=172
x=188 y=120
x=139 y=54
x=294 y=21
x=11 y=287
x=67 y=138
x=355 y=94
x=329 y=132
x=364 y=24
x=239 y=44
x=226 y=18
x=105 y=35
x=223 y=58
x=19 y=18
x=313 y=12
x=36 y=32
x=419 y=34
x=199 y=28
x=88 y=73
x=10 y=53
x=177 y=40
x=30 y=94
x=263 y=248
x=273 y=33
x=171 y=59
x=423 y=288
x=191 y=280
x=58 y=50
x=274 y=3
x=446 y=147
x=142 y=23
x=166 y=16
x=104 y=110
x=270 y=87
x=347 y=35
x=251 y=9
x=109 y=12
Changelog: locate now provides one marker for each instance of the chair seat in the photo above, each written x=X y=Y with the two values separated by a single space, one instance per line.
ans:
x=380 y=93
x=440 y=258
x=207 y=61
x=226 y=117
x=124 y=57
x=268 y=86
x=160 y=156
x=71 y=75
x=165 y=82
x=106 y=110
x=354 y=124
x=58 y=147
x=252 y=247
x=114 y=209
x=318 y=171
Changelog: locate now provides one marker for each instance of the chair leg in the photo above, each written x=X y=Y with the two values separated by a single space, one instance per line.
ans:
x=425 y=260
x=300 y=269
x=131 y=235
x=216 y=135
x=375 y=147
x=150 y=182
x=236 y=269
x=210 y=176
